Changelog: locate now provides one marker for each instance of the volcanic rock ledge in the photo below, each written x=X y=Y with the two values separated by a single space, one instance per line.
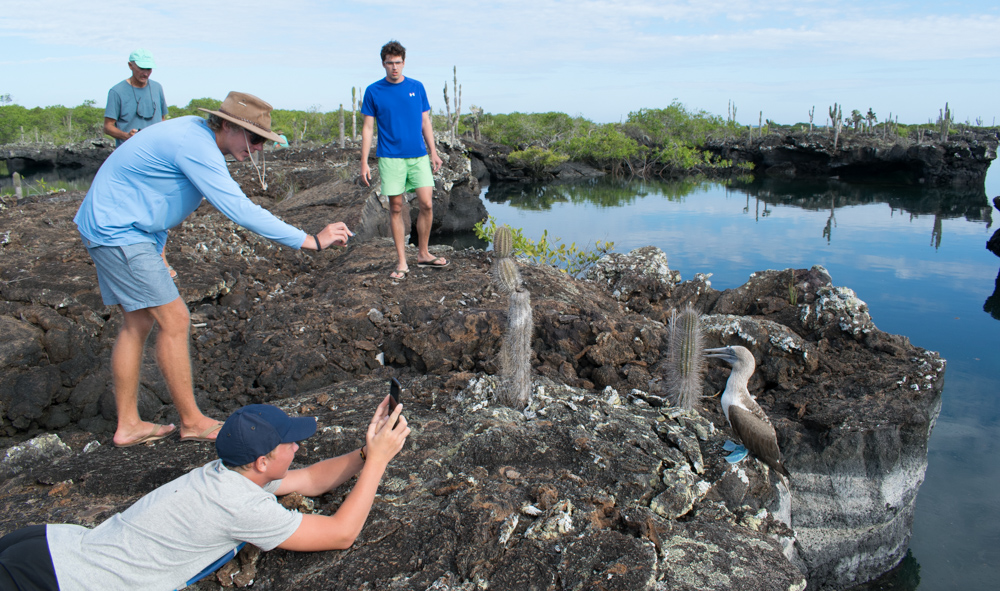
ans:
x=598 y=480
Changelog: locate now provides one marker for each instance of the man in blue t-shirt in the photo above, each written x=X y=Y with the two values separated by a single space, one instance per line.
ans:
x=136 y=102
x=405 y=138
x=146 y=187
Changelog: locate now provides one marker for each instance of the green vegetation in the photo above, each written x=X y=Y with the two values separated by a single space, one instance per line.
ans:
x=664 y=142
x=550 y=251
x=57 y=124
x=654 y=142
x=537 y=160
x=65 y=125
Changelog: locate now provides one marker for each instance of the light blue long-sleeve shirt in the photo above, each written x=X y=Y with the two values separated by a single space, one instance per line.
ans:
x=157 y=178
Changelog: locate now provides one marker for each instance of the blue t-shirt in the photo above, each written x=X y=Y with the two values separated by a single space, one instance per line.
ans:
x=135 y=108
x=398 y=110
x=157 y=178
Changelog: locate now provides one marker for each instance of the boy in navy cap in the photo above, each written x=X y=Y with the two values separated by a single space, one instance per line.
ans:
x=169 y=536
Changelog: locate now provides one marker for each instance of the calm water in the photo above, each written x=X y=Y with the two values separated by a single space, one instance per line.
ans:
x=916 y=256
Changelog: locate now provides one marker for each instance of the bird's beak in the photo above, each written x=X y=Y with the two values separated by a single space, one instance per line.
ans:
x=724 y=353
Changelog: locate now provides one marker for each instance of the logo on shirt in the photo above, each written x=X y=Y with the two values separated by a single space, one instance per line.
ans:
x=413 y=94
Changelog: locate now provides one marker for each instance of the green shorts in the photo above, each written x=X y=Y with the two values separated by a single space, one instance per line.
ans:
x=402 y=175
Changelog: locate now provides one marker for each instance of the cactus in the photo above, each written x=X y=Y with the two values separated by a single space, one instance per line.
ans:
x=944 y=122
x=341 y=125
x=686 y=358
x=354 y=113
x=503 y=241
x=836 y=118
x=506 y=276
x=515 y=351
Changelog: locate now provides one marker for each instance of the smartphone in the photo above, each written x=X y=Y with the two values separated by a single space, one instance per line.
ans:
x=395 y=389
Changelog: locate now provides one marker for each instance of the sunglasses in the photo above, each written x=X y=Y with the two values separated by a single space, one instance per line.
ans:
x=253 y=138
x=142 y=108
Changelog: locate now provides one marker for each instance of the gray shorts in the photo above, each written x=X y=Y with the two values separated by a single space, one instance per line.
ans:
x=132 y=276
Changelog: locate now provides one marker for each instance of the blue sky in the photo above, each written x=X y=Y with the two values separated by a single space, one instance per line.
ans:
x=597 y=58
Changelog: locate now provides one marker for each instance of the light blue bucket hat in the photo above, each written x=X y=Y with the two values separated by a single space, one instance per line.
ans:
x=142 y=58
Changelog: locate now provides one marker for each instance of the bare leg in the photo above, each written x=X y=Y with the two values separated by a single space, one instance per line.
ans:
x=126 y=364
x=174 y=359
x=398 y=232
x=425 y=217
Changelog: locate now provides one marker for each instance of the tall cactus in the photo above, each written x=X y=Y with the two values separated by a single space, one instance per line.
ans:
x=506 y=276
x=944 y=122
x=686 y=359
x=503 y=241
x=341 y=125
x=515 y=351
x=837 y=119
x=354 y=113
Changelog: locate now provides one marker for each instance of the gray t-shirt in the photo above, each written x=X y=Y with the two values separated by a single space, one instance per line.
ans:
x=135 y=108
x=171 y=534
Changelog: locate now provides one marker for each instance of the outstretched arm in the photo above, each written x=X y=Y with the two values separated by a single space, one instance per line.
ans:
x=338 y=531
x=333 y=234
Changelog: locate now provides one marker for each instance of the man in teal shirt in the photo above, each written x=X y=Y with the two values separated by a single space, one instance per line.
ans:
x=136 y=102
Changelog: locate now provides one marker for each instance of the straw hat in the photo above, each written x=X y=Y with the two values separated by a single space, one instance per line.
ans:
x=248 y=112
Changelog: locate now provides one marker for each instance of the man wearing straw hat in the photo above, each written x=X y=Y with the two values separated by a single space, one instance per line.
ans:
x=170 y=537
x=147 y=186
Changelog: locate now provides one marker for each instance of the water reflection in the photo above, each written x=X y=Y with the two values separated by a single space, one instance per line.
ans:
x=43 y=182
x=818 y=195
x=992 y=305
x=602 y=192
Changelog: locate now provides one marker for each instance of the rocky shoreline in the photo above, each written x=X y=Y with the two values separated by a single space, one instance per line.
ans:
x=959 y=161
x=597 y=481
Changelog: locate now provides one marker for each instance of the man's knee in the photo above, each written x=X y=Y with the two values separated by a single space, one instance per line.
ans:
x=173 y=318
x=425 y=199
x=139 y=322
x=396 y=204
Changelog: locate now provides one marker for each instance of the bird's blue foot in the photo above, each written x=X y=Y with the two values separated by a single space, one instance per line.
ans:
x=739 y=452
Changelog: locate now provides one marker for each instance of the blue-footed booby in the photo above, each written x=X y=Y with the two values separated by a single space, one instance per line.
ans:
x=745 y=416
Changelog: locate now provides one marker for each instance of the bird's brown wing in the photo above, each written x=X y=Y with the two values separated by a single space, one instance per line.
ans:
x=758 y=436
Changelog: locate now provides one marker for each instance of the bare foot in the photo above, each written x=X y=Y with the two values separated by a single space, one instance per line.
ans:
x=142 y=433
x=204 y=430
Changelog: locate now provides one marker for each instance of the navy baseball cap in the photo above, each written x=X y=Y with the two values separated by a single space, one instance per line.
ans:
x=255 y=430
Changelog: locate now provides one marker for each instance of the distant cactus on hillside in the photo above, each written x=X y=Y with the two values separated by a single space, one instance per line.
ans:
x=837 y=120
x=686 y=359
x=944 y=122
